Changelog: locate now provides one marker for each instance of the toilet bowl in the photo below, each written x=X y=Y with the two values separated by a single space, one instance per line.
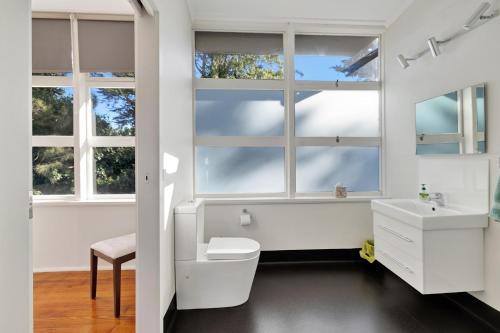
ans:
x=214 y=274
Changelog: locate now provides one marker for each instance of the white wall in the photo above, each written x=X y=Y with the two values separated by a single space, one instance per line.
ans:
x=176 y=144
x=469 y=60
x=15 y=161
x=63 y=233
x=340 y=225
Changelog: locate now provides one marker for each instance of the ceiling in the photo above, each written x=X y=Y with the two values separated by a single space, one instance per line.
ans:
x=83 y=6
x=372 y=12
x=366 y=12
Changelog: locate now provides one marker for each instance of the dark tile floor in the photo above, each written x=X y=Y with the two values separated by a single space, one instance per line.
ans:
x=344 y=297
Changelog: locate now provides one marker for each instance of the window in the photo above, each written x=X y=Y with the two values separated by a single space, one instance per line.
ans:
x=261 y=131
x=83 y=118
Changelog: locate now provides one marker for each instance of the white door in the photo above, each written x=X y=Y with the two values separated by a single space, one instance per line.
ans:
x=15 y=166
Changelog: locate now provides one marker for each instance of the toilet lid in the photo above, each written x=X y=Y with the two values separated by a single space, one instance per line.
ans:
x=226 y=248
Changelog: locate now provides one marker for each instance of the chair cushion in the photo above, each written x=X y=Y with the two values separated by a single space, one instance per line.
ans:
x=116 y=247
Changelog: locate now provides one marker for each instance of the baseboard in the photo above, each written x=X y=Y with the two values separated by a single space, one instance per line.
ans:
x=79 y=268
x=309 y=255
x=170 y=316
x=477 y=309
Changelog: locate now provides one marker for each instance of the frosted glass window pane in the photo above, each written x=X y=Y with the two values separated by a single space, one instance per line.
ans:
x=438 y=115
x=240 y=169
x=330 y=113
x=239 y=112
x=319 y=169
x=331 y=58
x=438 y=148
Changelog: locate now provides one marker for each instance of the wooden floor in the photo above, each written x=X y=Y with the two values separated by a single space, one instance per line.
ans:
x=62 y=303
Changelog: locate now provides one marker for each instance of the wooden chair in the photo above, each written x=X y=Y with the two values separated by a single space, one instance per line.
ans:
x=116 y=251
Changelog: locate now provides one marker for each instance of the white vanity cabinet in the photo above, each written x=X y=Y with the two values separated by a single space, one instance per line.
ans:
x=430 y=252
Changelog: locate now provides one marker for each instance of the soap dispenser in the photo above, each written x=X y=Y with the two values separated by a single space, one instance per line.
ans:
x=423 y=194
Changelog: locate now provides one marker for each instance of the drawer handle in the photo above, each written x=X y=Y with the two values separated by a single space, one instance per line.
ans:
x=397 y=234
x=397 y=262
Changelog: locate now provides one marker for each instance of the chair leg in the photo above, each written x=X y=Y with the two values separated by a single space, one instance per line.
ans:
x=117 y=270
x=93 y=274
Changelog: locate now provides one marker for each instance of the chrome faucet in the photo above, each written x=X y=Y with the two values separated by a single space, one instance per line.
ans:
x=437 y=197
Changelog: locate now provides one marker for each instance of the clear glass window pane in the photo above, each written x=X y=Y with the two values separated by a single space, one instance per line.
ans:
x=113 y=111
x=319 y=169
x=66 y=74
x=114 y=170
x=240 y=169
x=438 y=115
x=52 y=111
x=332 y=58
x=53 y=171
x=112 y=74
x=438 y=148
x=333 y=113
x=253 y=56
x=240 y=112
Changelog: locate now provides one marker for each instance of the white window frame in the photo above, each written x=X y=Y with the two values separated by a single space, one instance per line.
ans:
x=289 y=85
x=83 y=141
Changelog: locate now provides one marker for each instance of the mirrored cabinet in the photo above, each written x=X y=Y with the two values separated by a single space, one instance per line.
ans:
x=454 y=123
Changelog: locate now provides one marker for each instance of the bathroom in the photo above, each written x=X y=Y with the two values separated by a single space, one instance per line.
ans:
x=268 y=180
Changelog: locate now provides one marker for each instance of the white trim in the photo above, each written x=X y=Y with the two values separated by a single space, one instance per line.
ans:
x=426 y=139
x=103 y=17
x=110 y=82
x=49 y=201
x=332 y=85
x=297 y=200
x=111 y=141
x=342 y=141
x=297 y=25
x=53 y=141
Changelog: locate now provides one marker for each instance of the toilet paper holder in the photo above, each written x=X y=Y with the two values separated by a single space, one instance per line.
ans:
x=245 y=217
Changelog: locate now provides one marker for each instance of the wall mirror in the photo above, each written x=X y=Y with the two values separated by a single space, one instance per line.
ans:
x=454 y=123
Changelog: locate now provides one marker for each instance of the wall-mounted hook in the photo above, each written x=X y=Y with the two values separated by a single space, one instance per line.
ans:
x=337 y=139
x=337 y=83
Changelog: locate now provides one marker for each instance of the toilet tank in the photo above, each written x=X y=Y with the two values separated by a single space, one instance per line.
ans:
x=189 y=222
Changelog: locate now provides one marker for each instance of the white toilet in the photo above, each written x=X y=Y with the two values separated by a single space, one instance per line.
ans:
x=214 y=275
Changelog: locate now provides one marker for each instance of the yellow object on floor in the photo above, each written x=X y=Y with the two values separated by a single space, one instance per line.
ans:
x=367 y=252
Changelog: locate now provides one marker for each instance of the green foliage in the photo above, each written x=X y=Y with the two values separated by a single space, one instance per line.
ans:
x=239 y=66
x=53 y=170
x=115 y=167
x=52 y=111
x=120 y=104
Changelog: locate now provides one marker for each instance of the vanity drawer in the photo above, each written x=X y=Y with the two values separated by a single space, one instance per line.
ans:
x=398 y=234
x=403 y=265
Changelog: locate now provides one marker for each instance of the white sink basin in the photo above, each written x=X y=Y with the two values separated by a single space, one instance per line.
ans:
x=428 y=216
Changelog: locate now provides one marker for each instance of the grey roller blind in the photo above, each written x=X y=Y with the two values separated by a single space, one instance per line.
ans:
x=51 y=46
x=238 y=43
x=106 y=46
x=331 y=45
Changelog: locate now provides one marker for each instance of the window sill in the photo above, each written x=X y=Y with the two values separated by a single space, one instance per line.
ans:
x=296 y=200
x=97 y=202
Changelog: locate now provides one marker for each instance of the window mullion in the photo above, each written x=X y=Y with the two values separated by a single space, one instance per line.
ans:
x=79 y=117
x=289 y=50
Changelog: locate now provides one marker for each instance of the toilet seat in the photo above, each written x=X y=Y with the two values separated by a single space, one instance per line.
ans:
x=231 y=248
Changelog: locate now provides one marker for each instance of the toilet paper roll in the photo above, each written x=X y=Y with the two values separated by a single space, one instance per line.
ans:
x=245 y=219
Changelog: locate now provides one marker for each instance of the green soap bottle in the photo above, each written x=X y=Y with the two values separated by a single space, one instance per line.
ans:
x=423 y=195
